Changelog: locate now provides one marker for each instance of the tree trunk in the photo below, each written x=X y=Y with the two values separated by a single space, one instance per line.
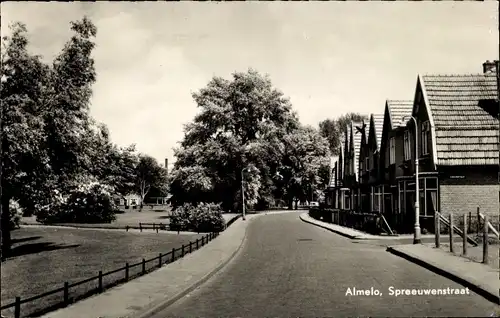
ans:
x=296 y=204
x=5 y=228
x=290 y=204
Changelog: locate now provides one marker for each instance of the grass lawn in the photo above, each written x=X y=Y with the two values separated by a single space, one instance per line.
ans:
x=130 y=217
x=44 y=258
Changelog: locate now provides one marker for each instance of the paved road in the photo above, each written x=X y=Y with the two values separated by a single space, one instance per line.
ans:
x=291 y=268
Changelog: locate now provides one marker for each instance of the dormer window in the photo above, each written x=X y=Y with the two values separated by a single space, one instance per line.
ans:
x=425 y=133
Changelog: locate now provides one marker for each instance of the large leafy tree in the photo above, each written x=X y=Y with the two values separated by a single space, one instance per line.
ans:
x=68 y=118
x=306 y=155
x=333 y=129
x=24 y=163
x=237 y=138
x=149 y=174
x=49 y=141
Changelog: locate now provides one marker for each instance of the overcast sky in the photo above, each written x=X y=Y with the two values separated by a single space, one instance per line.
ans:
x=328 y=57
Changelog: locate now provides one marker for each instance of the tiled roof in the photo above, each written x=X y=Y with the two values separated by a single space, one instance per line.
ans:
x=378 y=121
x=334 y=159
x=357 y=143
x=398 y=109
x=466 y=132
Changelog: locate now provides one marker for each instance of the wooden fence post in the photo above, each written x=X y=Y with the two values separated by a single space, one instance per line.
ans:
x=470 y=222
x=143 y=266
x=197 y=246
x=140 y=226
x=437 y=229
x=451 y=232
x=182 y=251
x=159 y=260
x=478 y=223
x=190 y=247
x=66 y=293
x=126 y=272
x=173 y=254
x=100 y=282
x=17 y=308
x=464 y=241
x=157 y=228
x=485 y=240
x=126 y=228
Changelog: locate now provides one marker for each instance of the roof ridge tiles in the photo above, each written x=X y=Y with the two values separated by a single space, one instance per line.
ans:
x=457 y=74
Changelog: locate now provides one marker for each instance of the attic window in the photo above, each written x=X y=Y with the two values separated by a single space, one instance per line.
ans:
x=392 y=151
x=424 y=141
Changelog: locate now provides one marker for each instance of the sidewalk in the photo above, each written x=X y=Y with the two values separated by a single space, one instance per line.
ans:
x=352 y=233
x=480 y=278
x=146 y=295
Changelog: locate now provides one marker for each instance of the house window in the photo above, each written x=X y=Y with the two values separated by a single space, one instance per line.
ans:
x=425 y=138
x=376 y=199
x=431 y=196
x=407 y=148
x=392 y=154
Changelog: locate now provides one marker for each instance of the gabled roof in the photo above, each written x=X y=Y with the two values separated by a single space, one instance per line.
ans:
x=345 y=169
x=398 y=109
x=377 y=120
x=356 y=131
x=334 y=159
x=464 y=109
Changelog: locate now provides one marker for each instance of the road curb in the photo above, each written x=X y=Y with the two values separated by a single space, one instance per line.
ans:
x=352 y=237
x=166 y=303
x=474 y=286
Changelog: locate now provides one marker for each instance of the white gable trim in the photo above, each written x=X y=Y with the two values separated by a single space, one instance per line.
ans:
x=429 y=114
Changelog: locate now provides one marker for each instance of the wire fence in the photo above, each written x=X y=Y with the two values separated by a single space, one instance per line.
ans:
x=69 y=293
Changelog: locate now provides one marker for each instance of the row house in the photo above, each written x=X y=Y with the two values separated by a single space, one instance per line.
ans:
x=456 y=120
x=394 y=141
x=458 y=146
x=369 y=164
x=344 y=189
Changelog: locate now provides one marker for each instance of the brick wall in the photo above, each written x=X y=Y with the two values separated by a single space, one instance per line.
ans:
x=465 y=198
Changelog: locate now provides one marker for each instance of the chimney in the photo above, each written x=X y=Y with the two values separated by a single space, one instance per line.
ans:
x=489 y=67
x=166 y=164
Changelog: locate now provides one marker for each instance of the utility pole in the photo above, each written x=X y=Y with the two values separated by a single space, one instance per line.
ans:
x=1 y=177
x=498 y=99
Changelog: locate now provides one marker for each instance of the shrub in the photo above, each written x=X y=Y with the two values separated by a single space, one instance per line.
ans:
x=207 y=217
x=181 y=217
x=204 y=217
x=83 y=205
x=16 y=212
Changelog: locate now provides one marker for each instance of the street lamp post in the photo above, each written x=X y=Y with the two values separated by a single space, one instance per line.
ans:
x=243 y=193
x=417 y=234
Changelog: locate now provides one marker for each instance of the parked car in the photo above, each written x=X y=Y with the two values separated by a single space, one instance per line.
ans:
x=313 y=203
